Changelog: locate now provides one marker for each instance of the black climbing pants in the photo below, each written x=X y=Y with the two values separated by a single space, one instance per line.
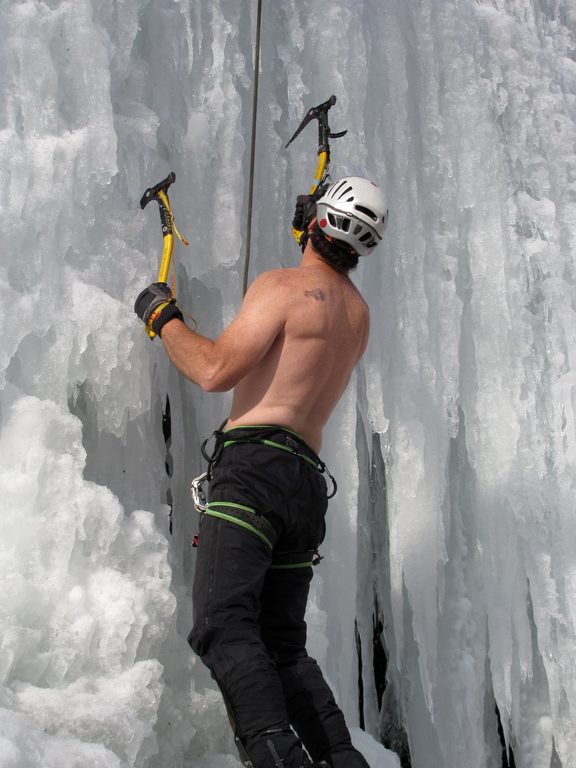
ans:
x=263 y=524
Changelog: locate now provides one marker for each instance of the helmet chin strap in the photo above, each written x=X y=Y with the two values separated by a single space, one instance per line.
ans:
x=306 y=236
x=310 y=214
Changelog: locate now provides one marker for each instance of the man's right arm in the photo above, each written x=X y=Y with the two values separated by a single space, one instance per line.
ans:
x=217 y=366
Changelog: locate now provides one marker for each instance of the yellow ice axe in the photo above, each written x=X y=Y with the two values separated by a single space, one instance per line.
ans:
x=319 y=113
x=160 y=193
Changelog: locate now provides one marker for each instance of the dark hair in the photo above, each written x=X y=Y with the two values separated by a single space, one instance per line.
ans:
x=339 y=255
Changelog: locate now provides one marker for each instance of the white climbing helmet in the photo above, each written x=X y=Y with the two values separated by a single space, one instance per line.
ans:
x=354 y=210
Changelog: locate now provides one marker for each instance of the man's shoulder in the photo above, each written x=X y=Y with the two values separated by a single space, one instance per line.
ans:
x=271 y=290
x=274 y=279
x=278 y=275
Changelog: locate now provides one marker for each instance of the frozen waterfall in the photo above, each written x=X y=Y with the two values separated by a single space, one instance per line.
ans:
x=443 y=611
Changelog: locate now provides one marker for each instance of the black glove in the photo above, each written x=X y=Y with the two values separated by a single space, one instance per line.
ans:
x=155 y=306
x=303 y=212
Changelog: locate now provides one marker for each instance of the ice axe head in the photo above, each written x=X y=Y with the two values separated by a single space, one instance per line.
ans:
x=319 y=113
x=153 y=193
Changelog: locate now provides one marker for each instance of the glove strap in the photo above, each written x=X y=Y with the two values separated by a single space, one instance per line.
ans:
x=163 y=314
x=154 y=315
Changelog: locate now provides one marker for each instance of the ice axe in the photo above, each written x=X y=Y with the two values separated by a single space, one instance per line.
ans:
x=319 y=113
x=159 y=192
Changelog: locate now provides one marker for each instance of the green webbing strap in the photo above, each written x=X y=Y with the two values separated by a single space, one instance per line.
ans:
x=272 y=444
x=318 y=464
x=274 y=427
x=219 y=435
x=286 y=560
x=243 y=516
x=286 y=566
x=251 y=521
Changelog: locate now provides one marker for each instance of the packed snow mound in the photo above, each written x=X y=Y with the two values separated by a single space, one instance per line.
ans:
x=84 y=591
x=25 y=745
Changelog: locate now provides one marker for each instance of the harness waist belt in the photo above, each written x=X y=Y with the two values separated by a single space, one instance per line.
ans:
x=273 y=435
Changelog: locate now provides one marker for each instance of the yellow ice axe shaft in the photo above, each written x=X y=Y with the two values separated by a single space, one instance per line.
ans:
x=320 y=169
x=159 y=192
x=168 y=239
x=323 y=158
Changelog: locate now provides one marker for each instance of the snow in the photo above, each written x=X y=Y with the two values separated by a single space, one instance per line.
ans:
x=452 y=538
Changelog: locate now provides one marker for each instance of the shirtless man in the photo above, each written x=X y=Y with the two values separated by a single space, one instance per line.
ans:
x=288 y=355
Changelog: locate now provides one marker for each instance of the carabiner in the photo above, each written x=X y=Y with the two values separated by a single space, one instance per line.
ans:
x=198 y=495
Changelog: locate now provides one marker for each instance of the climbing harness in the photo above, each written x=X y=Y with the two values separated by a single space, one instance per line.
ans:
x=220 y=443
x=242 y=515
x=159 y=192
x=294 y=445
x=321 y=175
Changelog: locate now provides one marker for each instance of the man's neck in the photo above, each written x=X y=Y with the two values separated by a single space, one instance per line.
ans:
x=311 y=258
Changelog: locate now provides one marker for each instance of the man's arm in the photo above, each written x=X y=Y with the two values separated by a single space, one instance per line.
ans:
x=217 y=366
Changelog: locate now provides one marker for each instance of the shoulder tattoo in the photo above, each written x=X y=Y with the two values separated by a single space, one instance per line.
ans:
x=316 y=293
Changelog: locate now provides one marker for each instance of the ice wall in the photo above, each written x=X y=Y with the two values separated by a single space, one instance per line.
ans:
x=468 y=409
x=454 y=445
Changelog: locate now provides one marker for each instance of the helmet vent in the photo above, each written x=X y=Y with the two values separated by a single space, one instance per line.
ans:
x=346 y=192
x=367 y=211
x=341 y=223
x=339 y=187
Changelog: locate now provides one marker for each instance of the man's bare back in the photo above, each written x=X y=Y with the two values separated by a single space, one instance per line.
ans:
x=289 y=352
x=306 y=369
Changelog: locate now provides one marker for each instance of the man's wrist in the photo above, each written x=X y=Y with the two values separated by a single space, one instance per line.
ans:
x=164 y=315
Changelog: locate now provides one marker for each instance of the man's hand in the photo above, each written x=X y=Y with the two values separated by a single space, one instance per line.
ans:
x=155 y=306
x=302 y=213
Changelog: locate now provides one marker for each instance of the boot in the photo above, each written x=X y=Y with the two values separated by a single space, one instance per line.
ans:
x=349 y=758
